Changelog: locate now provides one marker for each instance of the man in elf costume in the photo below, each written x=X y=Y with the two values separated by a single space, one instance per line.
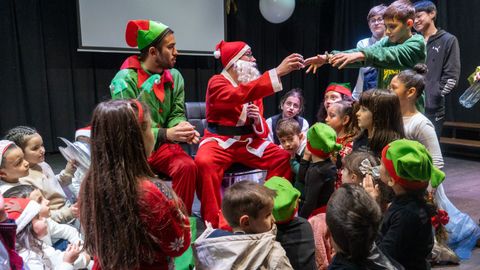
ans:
x=151 y=78
x=237 y=130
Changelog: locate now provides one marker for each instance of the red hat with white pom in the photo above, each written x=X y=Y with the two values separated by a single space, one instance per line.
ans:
x=230 y=52
x=86 y=131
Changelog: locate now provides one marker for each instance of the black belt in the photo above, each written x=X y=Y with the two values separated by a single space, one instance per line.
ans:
x=229 y=130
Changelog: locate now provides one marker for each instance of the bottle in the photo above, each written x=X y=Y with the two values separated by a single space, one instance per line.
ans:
x=471 y=95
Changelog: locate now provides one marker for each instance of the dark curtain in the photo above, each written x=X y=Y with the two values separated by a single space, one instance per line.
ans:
x=47 y=84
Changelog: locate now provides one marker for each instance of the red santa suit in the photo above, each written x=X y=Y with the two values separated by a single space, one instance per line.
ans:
x=226 y=112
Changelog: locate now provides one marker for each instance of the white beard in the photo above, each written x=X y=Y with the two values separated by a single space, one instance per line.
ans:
x=246 y=71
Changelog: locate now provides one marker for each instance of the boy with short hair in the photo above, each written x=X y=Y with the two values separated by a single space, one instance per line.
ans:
x=247 y=207
x=398 y=51
x=293 y=141
x=443 y=62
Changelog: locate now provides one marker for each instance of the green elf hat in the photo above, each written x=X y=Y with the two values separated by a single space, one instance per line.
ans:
x=285 y=204
x=141 y=33
x=322 y=140
x=410 y=165
x=342 y=88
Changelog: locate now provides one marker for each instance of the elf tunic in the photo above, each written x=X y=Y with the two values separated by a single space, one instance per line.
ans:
x=391 y=58
x=226 y=106
x=165 y=96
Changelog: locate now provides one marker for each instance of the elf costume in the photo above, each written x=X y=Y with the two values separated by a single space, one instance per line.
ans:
x=406 y=234
x=319 y=176
x=231 y=137
x=165 y=96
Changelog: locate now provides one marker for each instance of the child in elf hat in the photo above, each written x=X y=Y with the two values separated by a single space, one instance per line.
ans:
x=10 y=258
x=31 y=227
x=353 y=219
x=317 y=171
x=294 y=233
x=335 y=92
x=41 y=174
x=293 y=140
x=12 y=165
x=406 y=234
x=247 y=207
x=58 y=235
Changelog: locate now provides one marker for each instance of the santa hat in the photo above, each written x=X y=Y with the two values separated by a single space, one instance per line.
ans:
x=230 y=52
x=4 y=145
x=410 y=165
x=342 y=88
x=322 y=140
x=285 y=204
x=86 y=131
x=141 y=33
x=23 y=211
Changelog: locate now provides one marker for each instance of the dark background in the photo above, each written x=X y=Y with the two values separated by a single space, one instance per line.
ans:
x=46 y=83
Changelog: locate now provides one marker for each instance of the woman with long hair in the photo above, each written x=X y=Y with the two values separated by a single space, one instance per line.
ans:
x=131 y=220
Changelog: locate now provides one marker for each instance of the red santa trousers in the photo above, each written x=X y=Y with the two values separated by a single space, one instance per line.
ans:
x=170 y=159
x=212 y=161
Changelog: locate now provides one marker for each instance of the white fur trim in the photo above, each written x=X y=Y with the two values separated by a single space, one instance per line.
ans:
x=276 y=82
x=83 y=132
x=216 y=54
x=236 y=57
x=257 y=151
x=31 y=211
x=262 y=128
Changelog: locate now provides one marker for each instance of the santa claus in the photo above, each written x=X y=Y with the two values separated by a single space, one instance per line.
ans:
x=236 y=129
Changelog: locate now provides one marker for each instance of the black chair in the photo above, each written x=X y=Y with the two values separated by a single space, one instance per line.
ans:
x=196 y=115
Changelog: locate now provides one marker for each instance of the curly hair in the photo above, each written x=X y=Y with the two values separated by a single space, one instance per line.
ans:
x=109 y=195
x=20 y=135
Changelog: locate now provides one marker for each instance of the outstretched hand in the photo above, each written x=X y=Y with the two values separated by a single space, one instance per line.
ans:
x=315 y=62
x=292 y=62
x=340 y=60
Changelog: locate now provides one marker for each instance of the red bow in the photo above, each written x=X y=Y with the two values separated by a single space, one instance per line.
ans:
x=440 y=218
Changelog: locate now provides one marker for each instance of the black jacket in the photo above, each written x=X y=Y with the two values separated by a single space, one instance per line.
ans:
x=443 y=62
x=376 y=260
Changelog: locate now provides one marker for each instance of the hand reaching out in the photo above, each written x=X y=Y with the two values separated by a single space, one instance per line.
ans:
x=315 y=62
x=340 y=60
x=292 y=62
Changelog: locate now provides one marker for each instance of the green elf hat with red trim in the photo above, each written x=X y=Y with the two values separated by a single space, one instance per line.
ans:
x=410 y=165
x=285 y=204
x=141 y=33
x=342 y=88
x=322 y=140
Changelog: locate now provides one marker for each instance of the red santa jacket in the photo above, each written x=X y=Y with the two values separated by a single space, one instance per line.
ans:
x=226 y=104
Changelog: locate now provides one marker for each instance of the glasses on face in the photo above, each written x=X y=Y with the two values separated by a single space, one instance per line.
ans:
x=377 y=20
x=248 y=54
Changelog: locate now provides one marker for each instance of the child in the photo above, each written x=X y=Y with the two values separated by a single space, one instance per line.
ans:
x=341 y=118
x=406 y=234
x=12 y=165
x=335 y=92
x=82 y=141
x=317 y=172
x=380 y=119
x=367 y=76
x=294 y=233
x=121 y=205
x=399 y=50
x=356 y=166
x=10 y=258
x=41 y=174
x=408 y=85
x=293 y=141
x=31 y=227
x=353 y=219
x=247 y=207
x=292 y=105
x=58 y=235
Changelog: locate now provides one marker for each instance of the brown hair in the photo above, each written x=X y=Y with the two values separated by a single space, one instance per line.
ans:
x=352 y=162
x=109 y=196
x=245 y=198
x=387 y=118
x=288 y=127
x=20 y=135
x=414 y=78
x=346 y=108
x=294 y=92
x=376 y=11
x=401 y=10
